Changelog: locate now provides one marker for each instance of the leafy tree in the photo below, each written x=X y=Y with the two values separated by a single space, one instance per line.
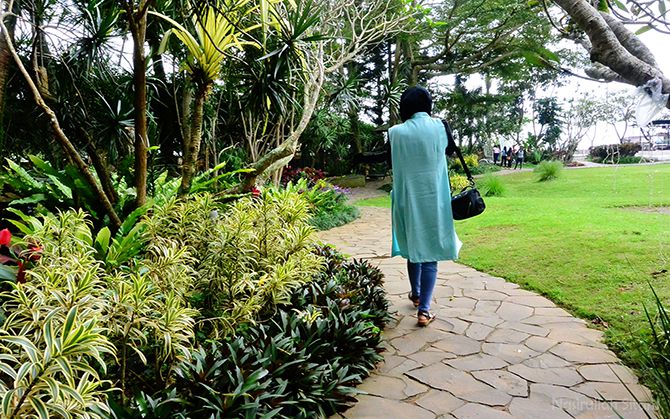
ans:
x=616 y=54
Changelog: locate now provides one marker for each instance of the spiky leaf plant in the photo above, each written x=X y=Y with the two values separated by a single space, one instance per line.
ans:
x=248 y=257
x=73 y=329
x=53 y=344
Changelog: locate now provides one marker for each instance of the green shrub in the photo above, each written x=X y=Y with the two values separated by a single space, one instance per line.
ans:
x=472 y=160
x=492 y=185
x=613 y=153
x=105 y=322
x=457 y=182
x=248 y=257
x=338 y=216
x=303 y=362
x=656 y=355
x=624 y=160
x=548 y=170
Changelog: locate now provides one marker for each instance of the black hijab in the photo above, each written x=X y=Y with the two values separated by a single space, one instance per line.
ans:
x=413 y=100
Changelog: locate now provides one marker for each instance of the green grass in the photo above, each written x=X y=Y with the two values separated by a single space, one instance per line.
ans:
x=576 y=240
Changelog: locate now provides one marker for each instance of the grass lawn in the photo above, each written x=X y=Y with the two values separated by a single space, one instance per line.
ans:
x=592 y=241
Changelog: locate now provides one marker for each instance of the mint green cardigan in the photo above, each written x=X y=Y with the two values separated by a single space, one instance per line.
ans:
x=423 y=225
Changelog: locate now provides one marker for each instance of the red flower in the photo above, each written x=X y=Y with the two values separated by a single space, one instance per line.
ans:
x=255 y=192
x=5 y=237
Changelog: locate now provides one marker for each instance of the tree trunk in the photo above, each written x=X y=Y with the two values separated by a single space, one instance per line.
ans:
x=138 y=28
x=613 y=46
x=64 y=141
x=5 y=59
x=192 y=145
x=101 y=168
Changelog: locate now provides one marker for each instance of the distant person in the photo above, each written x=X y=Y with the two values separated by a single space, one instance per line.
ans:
x=422 y=221
x=496 y=154
x=510 y=156
x=503 y=157
x=519 y=159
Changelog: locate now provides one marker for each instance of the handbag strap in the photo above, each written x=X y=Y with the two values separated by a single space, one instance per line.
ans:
x=450 y=137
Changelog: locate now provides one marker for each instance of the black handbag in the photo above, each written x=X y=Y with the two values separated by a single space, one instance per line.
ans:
x=469 y=202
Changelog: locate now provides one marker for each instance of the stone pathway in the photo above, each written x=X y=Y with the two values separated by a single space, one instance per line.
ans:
x=494 y=351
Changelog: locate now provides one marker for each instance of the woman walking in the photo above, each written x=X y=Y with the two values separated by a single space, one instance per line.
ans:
x=423 y=225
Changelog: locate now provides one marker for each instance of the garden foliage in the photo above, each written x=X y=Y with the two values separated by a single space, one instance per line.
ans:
x=223 y=310
x=548 y=170
x=614 y=153
x=492 y=185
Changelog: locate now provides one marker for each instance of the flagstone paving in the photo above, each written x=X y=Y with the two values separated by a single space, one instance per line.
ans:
x=494 y=351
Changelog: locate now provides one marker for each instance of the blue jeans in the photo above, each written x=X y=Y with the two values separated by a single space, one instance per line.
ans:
x=422 y=277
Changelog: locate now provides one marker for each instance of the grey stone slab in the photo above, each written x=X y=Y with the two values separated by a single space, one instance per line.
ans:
x=486 y=307
x=477 y=362
x=552 y=320
x=481 y=295
x=492 y=321
x=525 y=328
x=459 y=345
x=392 y=388
x=406 y=345
x=459 y=384
x=413 y=387
x=533 y=409
x=371 y=407
x=507 y=336
x=611 y=373
x=614 y=391
x=551 y=311
x=390 y=362
x=582 y=354
x=557 y=376
x=546 y=360
x=510 y=352
x=478 y=411
x=579 y=335
x=514 y=312
x=478 y=331
x=504 y=381
x=429 y=356
x=449 y=324
x=398 y=370
x=540 y=344
x=568 y=400
x=439 y=402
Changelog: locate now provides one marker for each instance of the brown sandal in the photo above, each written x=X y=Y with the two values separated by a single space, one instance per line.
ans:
x=413 y=299
x=424 y=318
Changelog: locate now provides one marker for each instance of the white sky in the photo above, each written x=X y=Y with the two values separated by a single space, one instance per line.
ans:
x=576 y=87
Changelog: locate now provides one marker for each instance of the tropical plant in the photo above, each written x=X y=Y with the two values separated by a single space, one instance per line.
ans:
x=215 y=30
x=492 y=185
x=656 y=354
x=302 y=362
x=548 y=170
x=248 y=256
x=53 y=341
x=457 y=182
